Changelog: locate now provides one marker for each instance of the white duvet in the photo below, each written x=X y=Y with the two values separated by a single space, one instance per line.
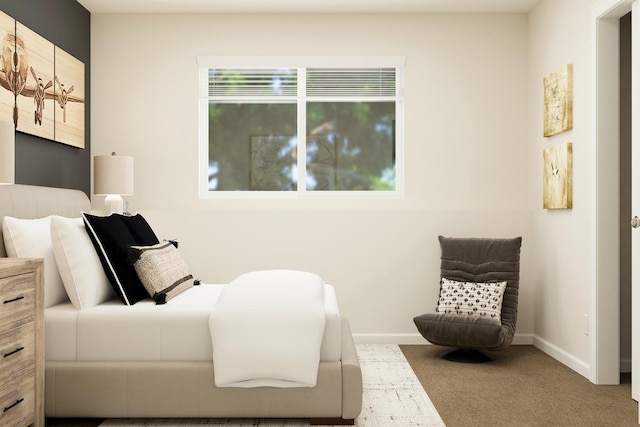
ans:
x=267 y=329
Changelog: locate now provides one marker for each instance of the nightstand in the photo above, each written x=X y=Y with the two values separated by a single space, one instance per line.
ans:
x=21 y=342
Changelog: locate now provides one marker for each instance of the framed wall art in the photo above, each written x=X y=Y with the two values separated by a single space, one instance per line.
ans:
x=558 y=101
x=557 y=185
x=41 y=86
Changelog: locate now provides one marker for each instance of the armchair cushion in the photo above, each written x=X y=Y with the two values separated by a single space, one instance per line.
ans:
x=461 y=330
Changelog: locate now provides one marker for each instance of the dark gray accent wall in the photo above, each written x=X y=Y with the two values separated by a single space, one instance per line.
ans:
x=67 y=24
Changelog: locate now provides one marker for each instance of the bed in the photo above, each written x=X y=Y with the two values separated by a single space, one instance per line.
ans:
x=149 y=360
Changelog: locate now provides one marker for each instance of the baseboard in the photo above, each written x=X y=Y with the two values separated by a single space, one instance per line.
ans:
x=417 y=339
x=523 y=339
x=580 y=366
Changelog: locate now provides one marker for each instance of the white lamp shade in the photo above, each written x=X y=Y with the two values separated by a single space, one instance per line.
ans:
x=7 y=153
x=113 y=175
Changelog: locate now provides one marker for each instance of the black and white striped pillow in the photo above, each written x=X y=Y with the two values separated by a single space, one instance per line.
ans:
x=161 y=269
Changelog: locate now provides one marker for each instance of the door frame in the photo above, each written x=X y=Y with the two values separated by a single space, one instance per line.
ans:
x=604 y=324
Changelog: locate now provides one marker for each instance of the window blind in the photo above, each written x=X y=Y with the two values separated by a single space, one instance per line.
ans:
x=283 y=82
x=252 y=82
x=351 y=82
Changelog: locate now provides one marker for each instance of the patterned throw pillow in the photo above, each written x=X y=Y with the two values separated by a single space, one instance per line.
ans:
x=469 y=298
x=161 y=269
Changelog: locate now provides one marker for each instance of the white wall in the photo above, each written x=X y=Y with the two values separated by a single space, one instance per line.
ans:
x=560 y=33
x=469 y=168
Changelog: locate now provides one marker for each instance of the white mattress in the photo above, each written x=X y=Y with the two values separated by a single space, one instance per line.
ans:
x=178 y=330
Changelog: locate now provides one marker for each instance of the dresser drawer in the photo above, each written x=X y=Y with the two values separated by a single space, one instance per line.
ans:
x=17 y=299
x=17 y=350
x=17 y=401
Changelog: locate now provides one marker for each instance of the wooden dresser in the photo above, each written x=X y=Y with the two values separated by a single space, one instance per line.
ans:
x=21 y=342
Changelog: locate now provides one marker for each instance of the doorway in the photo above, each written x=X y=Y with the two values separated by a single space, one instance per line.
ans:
x=605 y=312
x=625 y=195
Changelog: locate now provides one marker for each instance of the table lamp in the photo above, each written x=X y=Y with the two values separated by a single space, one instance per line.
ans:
x=113 y=177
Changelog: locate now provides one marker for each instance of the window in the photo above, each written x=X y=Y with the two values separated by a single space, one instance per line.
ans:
x=293 y=125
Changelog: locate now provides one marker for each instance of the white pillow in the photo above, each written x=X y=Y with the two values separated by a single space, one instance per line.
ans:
x=31 y=238
x=469 y=298
x=82 y=274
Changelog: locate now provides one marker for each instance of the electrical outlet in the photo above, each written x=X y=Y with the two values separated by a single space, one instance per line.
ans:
x=586 y=324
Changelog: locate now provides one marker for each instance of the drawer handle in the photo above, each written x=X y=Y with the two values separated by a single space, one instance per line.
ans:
x=13 y=352
x=13 y=404
x=14 y=299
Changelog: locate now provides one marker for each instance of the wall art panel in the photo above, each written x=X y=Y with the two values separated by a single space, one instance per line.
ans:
x=557 y=175
x=34 y=77
x=558 y=101
x=69 y=97
x=8 y=37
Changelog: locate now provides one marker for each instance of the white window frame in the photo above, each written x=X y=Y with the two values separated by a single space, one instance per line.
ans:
x=301 y=63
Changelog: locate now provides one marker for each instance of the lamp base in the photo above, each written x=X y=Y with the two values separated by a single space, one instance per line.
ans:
x=114 y=203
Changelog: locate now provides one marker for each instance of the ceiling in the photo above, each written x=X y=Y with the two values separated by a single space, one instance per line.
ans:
x=307 y=6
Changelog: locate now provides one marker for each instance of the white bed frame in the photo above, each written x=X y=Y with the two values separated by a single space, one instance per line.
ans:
x=167 y=389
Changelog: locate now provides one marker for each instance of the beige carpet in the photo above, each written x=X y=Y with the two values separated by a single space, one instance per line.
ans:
x=522 y=387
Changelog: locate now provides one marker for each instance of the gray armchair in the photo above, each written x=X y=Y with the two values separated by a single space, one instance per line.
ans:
x=476 y=260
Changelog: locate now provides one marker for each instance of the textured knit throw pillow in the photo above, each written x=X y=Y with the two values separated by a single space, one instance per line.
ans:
x=469 y=298
x=161 y=269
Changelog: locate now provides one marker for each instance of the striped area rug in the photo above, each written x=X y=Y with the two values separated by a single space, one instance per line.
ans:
x=392 y=397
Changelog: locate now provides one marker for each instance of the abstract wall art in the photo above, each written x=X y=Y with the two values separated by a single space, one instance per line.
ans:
x=558 y=101
x=557 y=185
